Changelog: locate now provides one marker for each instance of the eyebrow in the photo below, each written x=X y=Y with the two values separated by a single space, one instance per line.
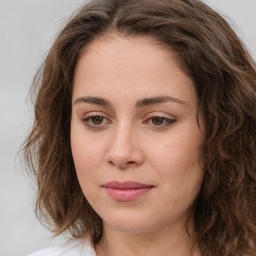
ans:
x=157 y=100
x=139 y=103
x=93 y=100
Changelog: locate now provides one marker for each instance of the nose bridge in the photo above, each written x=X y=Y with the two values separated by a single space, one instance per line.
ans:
x=122 y=138
x=123 y=150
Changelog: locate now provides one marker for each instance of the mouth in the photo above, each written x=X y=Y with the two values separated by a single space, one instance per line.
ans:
x=126 y=191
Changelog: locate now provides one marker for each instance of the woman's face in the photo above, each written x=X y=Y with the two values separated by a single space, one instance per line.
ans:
x=135 y=136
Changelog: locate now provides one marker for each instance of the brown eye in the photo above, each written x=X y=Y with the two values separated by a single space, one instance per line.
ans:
x=97 y=120
x=157 y=120
x=160 y=122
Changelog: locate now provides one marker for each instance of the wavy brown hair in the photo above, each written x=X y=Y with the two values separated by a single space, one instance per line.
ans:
x=224 y=75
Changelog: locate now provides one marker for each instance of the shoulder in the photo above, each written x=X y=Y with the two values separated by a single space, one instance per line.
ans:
x=76 y=248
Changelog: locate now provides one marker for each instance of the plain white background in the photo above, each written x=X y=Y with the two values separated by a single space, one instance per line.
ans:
x=27 y=30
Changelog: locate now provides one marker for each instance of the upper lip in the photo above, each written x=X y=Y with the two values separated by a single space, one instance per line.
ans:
x=126 y=185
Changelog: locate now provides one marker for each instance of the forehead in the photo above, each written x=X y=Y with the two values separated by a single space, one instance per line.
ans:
x=136 y=64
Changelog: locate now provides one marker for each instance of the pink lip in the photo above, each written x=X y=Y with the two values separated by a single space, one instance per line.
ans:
x=126 y=191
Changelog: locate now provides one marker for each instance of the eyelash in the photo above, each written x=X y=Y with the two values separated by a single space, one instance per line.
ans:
x=88 y=122
x=168 y=121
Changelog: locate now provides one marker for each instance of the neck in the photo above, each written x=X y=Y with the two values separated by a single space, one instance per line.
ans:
x=165 y=242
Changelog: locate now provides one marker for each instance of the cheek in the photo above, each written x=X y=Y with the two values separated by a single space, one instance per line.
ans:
x=179 y=153
x=87 y=152
x=181 y=176
x=87 y=160
x=177 y=162
x=87 y=156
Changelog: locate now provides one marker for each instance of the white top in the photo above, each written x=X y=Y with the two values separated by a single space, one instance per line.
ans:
x=78 y=247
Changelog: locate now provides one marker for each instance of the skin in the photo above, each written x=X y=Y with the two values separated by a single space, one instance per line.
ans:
x=126 y=143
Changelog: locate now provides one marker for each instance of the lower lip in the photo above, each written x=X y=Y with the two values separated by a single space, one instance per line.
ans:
x=126 y=195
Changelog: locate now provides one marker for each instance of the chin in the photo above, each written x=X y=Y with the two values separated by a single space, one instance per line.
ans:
x=132 y=222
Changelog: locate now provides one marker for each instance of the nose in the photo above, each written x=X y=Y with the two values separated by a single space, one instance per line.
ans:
x=124 y=150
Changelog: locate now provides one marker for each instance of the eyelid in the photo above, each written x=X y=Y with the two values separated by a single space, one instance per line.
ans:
x=160 y=114
x=170 y=120
x=87 y=116
x=95 y=113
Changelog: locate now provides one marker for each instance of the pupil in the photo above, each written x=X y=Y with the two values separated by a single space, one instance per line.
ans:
x=97 y=119
x=157 y=120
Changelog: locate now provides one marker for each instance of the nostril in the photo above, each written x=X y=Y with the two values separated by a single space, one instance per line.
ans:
x=131 y=162
x=111 y=162
x=125 y=164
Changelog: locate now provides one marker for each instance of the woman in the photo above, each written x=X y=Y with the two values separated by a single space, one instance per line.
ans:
x=143 y=140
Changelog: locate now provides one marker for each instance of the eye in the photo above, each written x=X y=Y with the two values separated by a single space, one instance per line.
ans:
x=160 y=121
x=157 y=120
x=95 y=121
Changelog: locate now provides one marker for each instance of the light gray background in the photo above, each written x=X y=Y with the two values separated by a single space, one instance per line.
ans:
x=27 y=29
